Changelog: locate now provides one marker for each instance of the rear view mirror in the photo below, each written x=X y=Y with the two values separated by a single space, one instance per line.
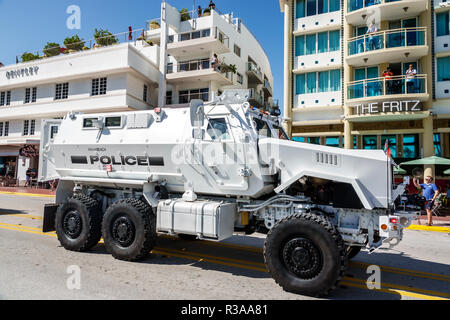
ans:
x=197 y=113
x=98 y=123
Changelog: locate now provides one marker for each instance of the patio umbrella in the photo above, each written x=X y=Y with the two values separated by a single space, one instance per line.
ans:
x=447 y=172
x=430 y=160
x=398 y=171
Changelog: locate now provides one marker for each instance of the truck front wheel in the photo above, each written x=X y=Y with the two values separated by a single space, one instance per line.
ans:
x=305 y=254
x=129 y=230
x=78 y=223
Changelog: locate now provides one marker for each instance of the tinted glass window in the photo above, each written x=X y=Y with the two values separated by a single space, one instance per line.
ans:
x=113 y=122
x=218 y=129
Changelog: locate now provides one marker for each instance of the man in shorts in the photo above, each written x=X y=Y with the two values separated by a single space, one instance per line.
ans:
x=430 y=193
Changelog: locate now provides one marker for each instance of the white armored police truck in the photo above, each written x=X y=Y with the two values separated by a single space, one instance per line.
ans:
x=210 y=170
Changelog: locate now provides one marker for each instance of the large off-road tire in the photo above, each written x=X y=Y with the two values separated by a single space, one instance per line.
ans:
x=129 y=230
x=305 y=254
x=353 y=252
x=78 y=223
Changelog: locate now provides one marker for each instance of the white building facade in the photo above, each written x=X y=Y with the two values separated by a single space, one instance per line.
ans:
x=338 y=91
x=123 y=77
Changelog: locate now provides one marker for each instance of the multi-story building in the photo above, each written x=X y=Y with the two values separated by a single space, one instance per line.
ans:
x=128 y=76
x=338 y=89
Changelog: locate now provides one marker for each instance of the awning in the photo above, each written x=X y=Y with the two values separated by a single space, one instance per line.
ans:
x=428 y=161
x=396 y=116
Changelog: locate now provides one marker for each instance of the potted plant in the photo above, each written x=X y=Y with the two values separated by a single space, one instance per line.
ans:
x=52 y=49
x=104 y=38
x=154 y=25
x=225 y=68
x=74 y=43
x=185 y=16
x=27 y=56
x=206 y=12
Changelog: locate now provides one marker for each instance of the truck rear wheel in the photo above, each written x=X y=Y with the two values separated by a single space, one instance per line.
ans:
x=129 y=230
x=78 y=223
x=305 y=254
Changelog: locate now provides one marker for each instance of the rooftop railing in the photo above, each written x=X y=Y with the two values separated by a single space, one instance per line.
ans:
x=385 y=86
x=388 y=39
x=84 y=45
x=354 y=5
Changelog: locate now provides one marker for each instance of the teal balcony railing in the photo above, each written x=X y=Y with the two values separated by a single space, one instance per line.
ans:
x=396 y=85
x=354 y=5
x=396 y=38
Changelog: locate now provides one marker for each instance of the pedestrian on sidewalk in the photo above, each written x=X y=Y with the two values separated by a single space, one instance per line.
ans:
x=430 y=193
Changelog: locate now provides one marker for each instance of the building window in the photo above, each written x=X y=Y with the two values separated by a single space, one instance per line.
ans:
x=53 y=132
x=237 y=50
x=29 y=127
x=298 y=139
x=145 y=93
x=312 y=7
x=332 y=142
x=169 y=97
x=322 y=42
x=4 y=129
x=240 y=78
x=392 y=143
x=370 y=142
x=443 y=23
x=443 y=69
x=314 y=140
x=325 y=81
x=99 y=86
x=62 y=91
x=410 y=146
x=30 y=95
x=5 y=98
x=187 y=95
x=437 y=144
x=26 y=127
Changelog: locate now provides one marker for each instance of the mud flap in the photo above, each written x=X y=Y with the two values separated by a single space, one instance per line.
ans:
x=49 y=217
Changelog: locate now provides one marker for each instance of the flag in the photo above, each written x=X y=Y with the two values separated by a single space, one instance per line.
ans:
x=387 y=150
x=130 y=33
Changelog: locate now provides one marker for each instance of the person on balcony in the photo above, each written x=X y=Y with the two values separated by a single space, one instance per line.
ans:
x=214 y=62
x=200 y=11
x=373 y=40
x=387 y=75
x=411 y=79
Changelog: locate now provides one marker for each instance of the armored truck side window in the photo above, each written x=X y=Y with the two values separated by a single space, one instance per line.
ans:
x=218 y=129
x=113 y=122
x=89 y=122
x=262 y=127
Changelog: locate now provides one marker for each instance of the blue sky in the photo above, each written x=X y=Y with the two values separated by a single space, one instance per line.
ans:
x=28 y=25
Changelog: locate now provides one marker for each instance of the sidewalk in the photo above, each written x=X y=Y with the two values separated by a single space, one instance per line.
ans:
x=437 y=221
x=24 y=190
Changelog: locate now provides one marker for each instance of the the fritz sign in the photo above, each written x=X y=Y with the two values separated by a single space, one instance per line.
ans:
x=21 y=73
x=388 y=106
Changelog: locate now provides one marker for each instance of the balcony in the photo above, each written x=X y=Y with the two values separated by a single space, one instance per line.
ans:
x=388 y=45
x=254 y=74
x=256 y=100
x=360 y=10
x=199 y=42
x=267 y=88
x=197 y=70
x=382 y=89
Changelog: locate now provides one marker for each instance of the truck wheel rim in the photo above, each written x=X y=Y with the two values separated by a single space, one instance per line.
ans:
x=302 y=258
x=72 y=224
x=123 y=231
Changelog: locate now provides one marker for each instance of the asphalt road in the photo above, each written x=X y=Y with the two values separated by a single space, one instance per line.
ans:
x=34 y=266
